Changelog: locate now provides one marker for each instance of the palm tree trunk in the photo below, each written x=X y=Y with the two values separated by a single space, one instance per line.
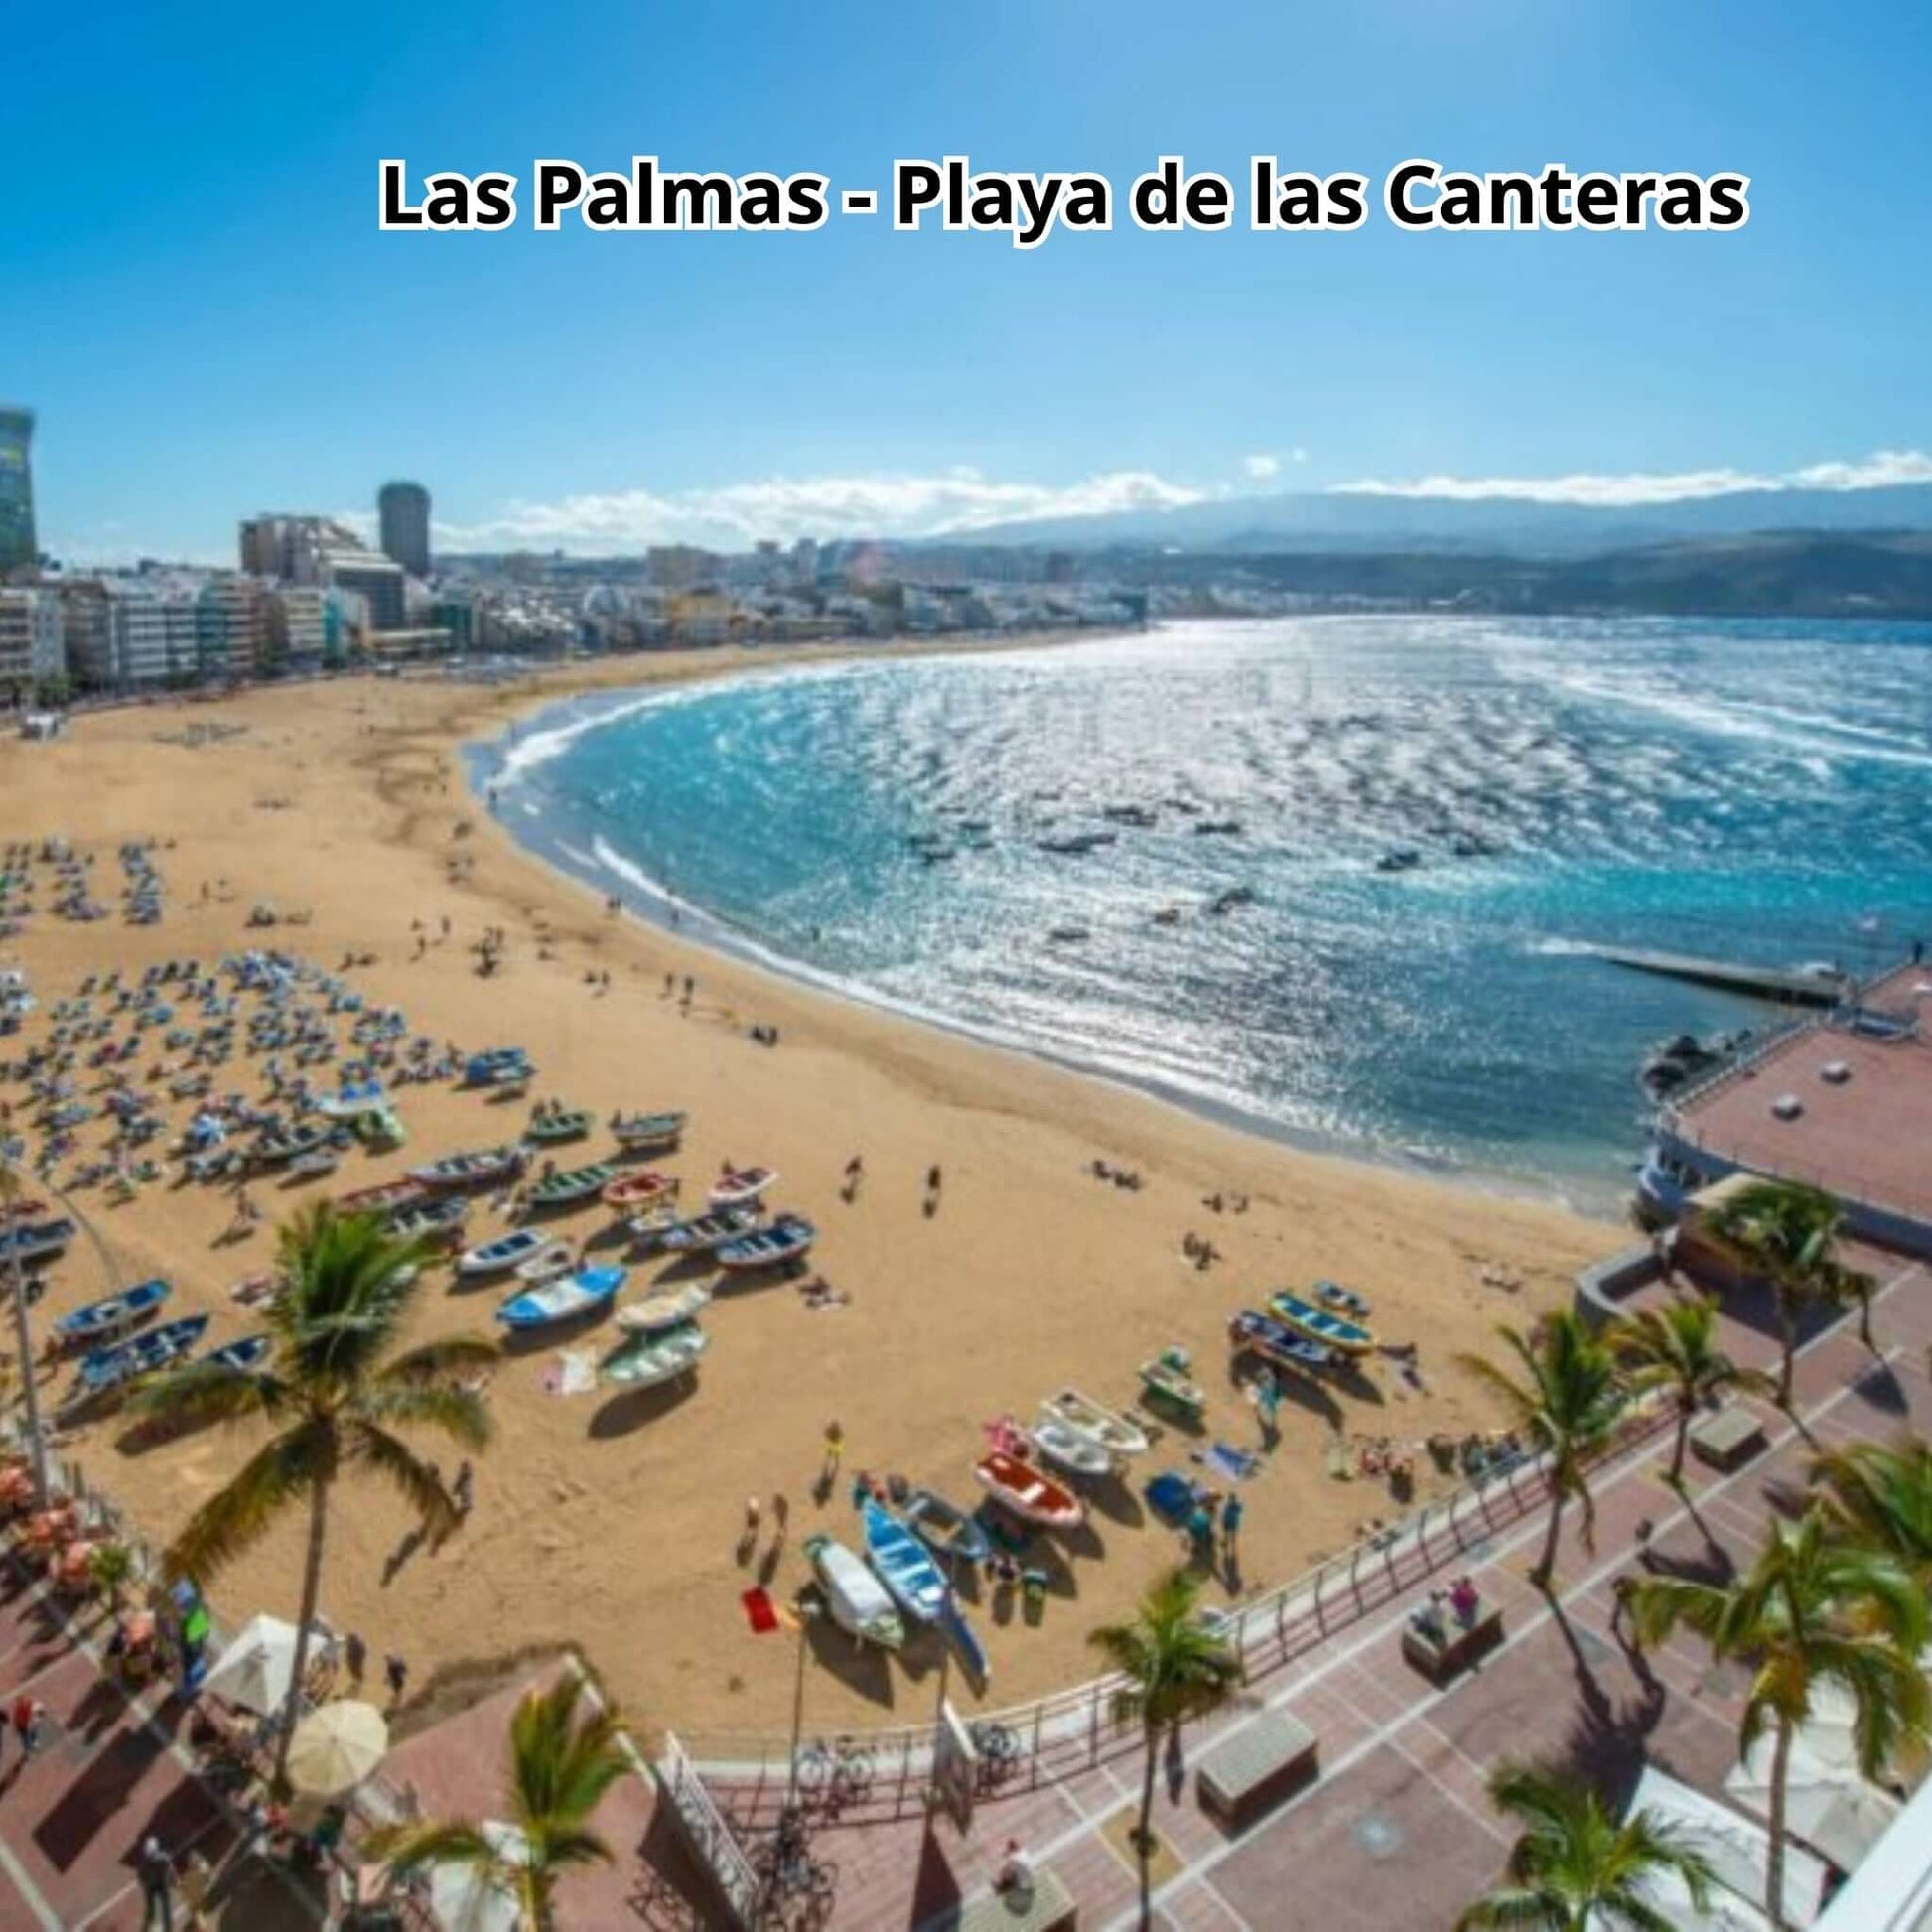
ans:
x=311 y=1597
x=1145 y=1837
x=1547 y=1563
x=1686 y=1408
x=1774 y=1860
x=1865 y=1324
x=1788 y=1328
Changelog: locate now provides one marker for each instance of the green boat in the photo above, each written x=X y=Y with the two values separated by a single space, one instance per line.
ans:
x=1167 y=1378
x=565 y=1123
x=572 y=1185
x=646 y=1360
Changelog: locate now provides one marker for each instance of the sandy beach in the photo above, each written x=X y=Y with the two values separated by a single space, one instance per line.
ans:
x=615 y=1520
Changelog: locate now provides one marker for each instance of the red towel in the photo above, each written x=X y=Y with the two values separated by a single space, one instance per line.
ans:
x=760 y=1611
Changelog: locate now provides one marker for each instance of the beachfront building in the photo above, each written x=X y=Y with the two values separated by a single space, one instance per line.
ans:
x=18 y=552
x=376 y=579
x=32 y=651
x=1840 y=1101
x=402 y=510
x=295 y=627
x=231 y=626
x=292 y=549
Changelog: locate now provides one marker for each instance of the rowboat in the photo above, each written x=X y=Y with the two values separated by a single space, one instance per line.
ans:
x=20 y=1210
x=100 y=1320
x=786 y=1240
x=658 y=1312
x=564 y=1125
x=643 y=1361
x=965 y=1641
x=571 y=1184
x=162 y=1347
x=500 y=1067
x=741 y=1188
x=914 y=1580
x=1100 y=1426
x=1276 y=1342
x=1344 y=1300
x=386 y=1199
x=435 y=1223
x=550 y=1263
x=30 y=1240
x=243 y=1356
x=1325 y=1326
x=855 y=1596
x=640 y=1189
x=315 y=1164
x=358 y=1097
x=653 y=1224
x=639 y=1133
x=708 y=1231
x=494 y=1257
x=273 y=1149
x=1068 y=1451
x=577 y=1295
x=478 y=1170
x=1031 y=1494
x=945 y=1528
x=1166 y=1378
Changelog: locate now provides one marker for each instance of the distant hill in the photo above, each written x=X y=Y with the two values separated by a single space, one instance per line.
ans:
x=1255 y=525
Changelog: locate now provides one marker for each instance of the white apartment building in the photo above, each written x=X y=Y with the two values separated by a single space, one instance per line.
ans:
x=31 y=645
x=298 y=629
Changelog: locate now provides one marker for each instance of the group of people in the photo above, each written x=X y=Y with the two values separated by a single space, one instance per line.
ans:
x=1460 y=1602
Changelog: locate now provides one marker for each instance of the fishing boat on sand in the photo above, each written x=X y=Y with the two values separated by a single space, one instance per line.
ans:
x=647 y=1133
x=913 y=1579
x=786 y=1240
x=855 y=1596
x=648 y=1228
x=1344 y=1300
x=314 y=1164
x=1275 y=1341
x=1100 y=1426
x=501 y=1066
x=32 y=1240
x=1017 y=1485
x=435 y=1223
x=386 y=1198
x=550 y=1263
x=159 y=1348
x=244 y=1356
x=569 y=1299
x=708 y=1231
x=1167 y=1377
x=571 y=1185
x=947 y=1529
x=1069 y=1451
x=641 y=1189
x=481 y=1168
x=658 y=1312
x=500 y=1255
x=643 y=1361
x=562 y=1124
x=740 y=1188
x=114 y=1315
x=1327 y=1326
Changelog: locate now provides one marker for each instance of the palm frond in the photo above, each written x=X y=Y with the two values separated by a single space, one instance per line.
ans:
x=367 y=1446
x=204 y=1393
x=460 y=1414
x=238 y=1516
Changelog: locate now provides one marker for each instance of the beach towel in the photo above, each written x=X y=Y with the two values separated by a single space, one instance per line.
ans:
x=575 y=1374
x=1225 y=1460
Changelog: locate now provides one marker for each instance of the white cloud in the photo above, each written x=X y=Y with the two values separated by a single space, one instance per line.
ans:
x=1638 y=488
x=1261 y=467
x=734 y=516
x=1298 y=454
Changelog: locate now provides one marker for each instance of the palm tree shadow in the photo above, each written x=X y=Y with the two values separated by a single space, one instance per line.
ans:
x=1608 y=1743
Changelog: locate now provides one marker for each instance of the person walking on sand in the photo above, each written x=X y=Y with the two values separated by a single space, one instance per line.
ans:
x=834 y=1452
x=1231 y=1513
x=396 y=1671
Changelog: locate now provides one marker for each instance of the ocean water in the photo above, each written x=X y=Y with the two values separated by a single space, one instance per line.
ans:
x=1753 y=791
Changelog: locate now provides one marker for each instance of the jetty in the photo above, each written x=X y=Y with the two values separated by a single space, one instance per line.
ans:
x=1791 y=986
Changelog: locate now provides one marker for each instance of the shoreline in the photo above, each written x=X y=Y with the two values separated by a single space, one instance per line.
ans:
x=612 y=1520
x=648 y=899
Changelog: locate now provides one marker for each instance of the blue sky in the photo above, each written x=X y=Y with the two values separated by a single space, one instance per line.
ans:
x=200 y=307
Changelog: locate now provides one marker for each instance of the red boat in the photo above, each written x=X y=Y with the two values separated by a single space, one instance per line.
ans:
x=641 y=1189
x=22 y=1210
x=1016 y=1485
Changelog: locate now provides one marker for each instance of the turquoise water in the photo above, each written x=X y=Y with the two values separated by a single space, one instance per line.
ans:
x=1750 y=790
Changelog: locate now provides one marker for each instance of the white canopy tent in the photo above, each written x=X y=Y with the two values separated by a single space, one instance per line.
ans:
x=257 y=1668
x=1737 y=1849
x=472 y=1898
x=1827 y=1803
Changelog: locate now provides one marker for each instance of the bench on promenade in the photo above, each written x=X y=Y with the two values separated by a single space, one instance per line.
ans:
x=1044 y=1907
x=1728 y=1439
x=1455 y=1645
x=1258 y=1766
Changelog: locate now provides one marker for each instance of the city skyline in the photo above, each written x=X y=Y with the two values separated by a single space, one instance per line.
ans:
x=234 y=331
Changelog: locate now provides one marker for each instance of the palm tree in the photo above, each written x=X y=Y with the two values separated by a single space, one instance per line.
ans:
x=109 y=1568
x=1788 y=1233
x=562 y=1763
x=1813 y=1609
x=1675 y=1347
x=1574 y=1866
x=337 y=1390
x=1566 y=1399
x=1172 y=1669
x=1881 y=1496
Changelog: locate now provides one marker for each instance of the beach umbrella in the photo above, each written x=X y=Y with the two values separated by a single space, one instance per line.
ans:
x=475 y=1898
x=334 y=1748
x=257 y=1667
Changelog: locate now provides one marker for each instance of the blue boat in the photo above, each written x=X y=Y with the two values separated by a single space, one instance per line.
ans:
x=1275 y=1341
x=787 y=1239
x=499 y=1256
x=162 y=1347
x=944 y=1527
x=244 y=1355
x=965 y=1641
x=35 y=1240
x=101 y=1321
x=917 y=1584
x=565 y=1300
x=500 y=1067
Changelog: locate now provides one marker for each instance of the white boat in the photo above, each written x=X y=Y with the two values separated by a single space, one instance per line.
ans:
x=551 y=1261
x=858 y=1601
x=1103 y=1427
x=741 y=1186
x=656 y=1313
x=643 y=1361
x=505 y=1251
x=1069 y=1451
